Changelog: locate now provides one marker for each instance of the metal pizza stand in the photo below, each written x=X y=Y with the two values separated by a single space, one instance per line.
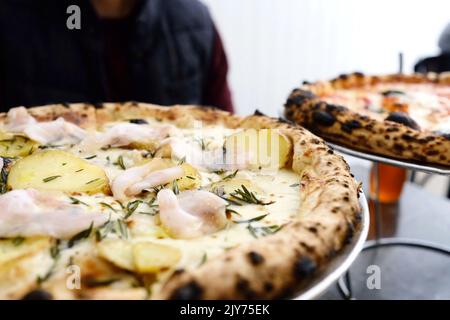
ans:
x=344 y=283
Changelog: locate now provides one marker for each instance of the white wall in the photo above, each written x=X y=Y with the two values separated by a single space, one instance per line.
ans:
x=273 y=45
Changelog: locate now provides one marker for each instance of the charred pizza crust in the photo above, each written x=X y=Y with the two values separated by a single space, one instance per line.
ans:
x=275 y=266
x=397 y=136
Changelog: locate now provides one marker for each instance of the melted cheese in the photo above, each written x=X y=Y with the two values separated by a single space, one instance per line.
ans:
x=427 y=104
x=281 y=188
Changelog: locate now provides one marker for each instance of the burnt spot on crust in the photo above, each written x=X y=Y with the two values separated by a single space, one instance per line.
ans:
x=334 y=108
x=432 y=152
x=299 y=97
x=66 y=105
x=258 y=113
x=404 y=119
x=312 y=230
x=323 y=118
x=268 y=286
x=38 y=294
x=349 y=234
x=255 y=258
x=307 y=247
x=190 y=291
x=399 y=147
x=243 y=287
x=138 y=121
x=407 y=137
x=350 y=125
x=304 y=267
x=358 y=74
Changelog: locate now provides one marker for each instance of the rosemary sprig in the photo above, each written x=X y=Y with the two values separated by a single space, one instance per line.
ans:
x=120 y=163
x=93 y=283
x=106 y=205
x=258 y=218
x=231 y=211
x=81 y=235
x=54 y=253
x=103 y=231
x=154 y=208
x=219 y=172
x=4 y=174
x=181 y=161
x=77 y=201
x=219 y=192
x=122 y=228
x=258 y=232
x=55 y=250
x=131 y=208
x=158 y=189
x=230 y=176
x=51 y=178
x=50 y=146
x=294 y=185
x=91 y=157
x=204 y=259
x=175 y=187
x=150 y=154
x=92 y=181
x=247 y=196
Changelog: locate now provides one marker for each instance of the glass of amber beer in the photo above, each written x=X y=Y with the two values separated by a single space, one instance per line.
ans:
x=390 y=182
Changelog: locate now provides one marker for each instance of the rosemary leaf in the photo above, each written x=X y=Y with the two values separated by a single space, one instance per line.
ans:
x=92 y=181
x=106 y=205
x=258 y=218
x=80 y=236
x=77 y=201
x=120 y=163
x=247 y=196
x=51 y=178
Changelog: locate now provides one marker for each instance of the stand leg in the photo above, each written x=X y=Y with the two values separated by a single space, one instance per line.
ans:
x=376 y=177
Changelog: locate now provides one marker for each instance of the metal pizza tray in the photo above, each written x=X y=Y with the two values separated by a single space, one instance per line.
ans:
x=341 y=262
x=429 y=168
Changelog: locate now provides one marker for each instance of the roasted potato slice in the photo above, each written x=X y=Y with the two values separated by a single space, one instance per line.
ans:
x=153 y=257
x=267 y=148
x=142 y=257
x=118 y=252
x=191 y=178
x=22 y=261
x=57 y=170
x=17 y=248
x=14 y=145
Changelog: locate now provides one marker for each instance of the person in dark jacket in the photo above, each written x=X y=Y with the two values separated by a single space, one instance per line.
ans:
x=440 y=63
x=158 y=51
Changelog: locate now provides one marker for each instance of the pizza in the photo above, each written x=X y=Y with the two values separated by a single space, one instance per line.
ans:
x=137 y=201
x=399 y=116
